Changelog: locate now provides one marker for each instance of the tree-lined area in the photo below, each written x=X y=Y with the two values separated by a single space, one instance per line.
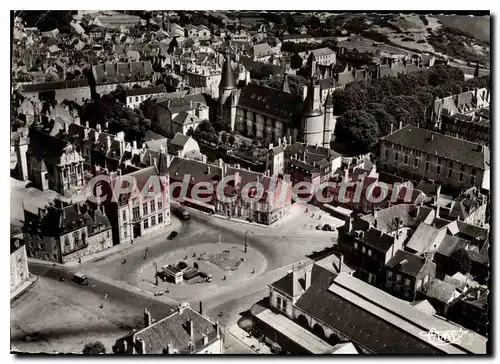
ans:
x=393 y=100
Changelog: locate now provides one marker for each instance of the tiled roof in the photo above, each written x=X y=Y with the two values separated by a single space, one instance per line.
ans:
x=412 y=267
x=122 y=72
x=174 y=329
x=50 y=86
x=144 y=91
x=411 y=216
x=179 y=140
x=424 y=236
x=450 y=244
x=453 y=149
x=275 y=103
x=440 y=290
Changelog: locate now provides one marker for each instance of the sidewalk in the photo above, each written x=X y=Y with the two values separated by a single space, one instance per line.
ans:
x=117 y=249
x=249 y=341
x=23 y=287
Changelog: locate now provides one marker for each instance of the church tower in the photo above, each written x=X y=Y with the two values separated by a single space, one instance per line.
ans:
x=311 y=66
x=312 y=116
x=227 y=94
x=330 y=121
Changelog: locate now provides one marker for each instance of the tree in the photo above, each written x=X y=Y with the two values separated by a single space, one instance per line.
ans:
x=352 y=98
x=359 y=129
x=231 y=139
x=384 y=120
x=223 y=137
x=94 y=348
x=460 y=261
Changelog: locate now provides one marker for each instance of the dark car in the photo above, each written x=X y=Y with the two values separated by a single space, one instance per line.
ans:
x=172 y=235
x=327 y=227
x=81 y=278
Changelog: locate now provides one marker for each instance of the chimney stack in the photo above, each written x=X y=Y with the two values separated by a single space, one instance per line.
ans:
x=190 y=329
x=217 y=329
x=147 y=318
x=108 y=143
x=142 y=346
x=341 y=262
x=170 y=348
x=400 y=125
x=201 y=307
x=98 y=128
x=205 y=339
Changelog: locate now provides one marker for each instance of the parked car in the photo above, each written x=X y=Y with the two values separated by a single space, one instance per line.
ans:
x=327 y=227
x=172 y=235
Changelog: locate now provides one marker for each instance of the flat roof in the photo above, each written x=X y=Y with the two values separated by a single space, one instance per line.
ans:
x=294 y=332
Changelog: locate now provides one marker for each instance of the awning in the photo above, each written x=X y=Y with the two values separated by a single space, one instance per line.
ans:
x=294 y=332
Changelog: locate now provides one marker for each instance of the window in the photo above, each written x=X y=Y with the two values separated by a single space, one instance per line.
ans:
x=152 y=204
x=398 y=278
x=439 y=160
x=472 y=180
x=450 y=173
x=389 y=275
x=363 y=250
x=146 y=223
x=461 y=177
x=386 y=153
x=136 y=99
x=426 y=166
x=451 y=164
x=136 y=213
x=396 y=155
x=160 y=205
x=406 y=159
x=153 y=220
x=473 y=171
x=415 y=162
x=462 y=168
x=145 y=208
x=438 y=169
x=107 y=234
x=124 y=216
x=355 y=246
x=369 y=253
x=407 y=282
x=160 y=218
x=125 y=230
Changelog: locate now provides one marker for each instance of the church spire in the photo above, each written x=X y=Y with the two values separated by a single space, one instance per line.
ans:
x=227 y=81
x=286 y=86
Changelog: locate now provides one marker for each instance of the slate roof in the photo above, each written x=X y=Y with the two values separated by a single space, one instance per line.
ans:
x=179 y=140
x=411 y=268
x=454 y=149
x=119 y=72
x=51 y=86
x=173 y=329
x=144 y=91
x=450 y=244
x=358 y=325
x=275 y=103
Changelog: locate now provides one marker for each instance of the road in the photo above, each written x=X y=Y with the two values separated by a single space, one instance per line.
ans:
x=125 y=300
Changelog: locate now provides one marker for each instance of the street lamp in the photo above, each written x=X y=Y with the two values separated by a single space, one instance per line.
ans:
x=246 y=244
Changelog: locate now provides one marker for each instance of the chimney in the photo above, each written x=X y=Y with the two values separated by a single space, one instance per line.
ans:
x=142 y=346
x=217 y=329
x=205 y=339
x=134 y=145
x=98 y=128
x=304 y=93
x=170 y=348
x=307 y=277
x=271 y=146
x=201 y=307
x=392 y=128
x=432 y=136
x=77 y=121
x=403 y=262
x=106 y=124
x=147 y=318
x=108 y=143
x=66 y=127
x=400 y=125
x=349 y=221
x=190 y=329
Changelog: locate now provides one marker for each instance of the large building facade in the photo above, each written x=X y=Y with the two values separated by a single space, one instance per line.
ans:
x=263 y=112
